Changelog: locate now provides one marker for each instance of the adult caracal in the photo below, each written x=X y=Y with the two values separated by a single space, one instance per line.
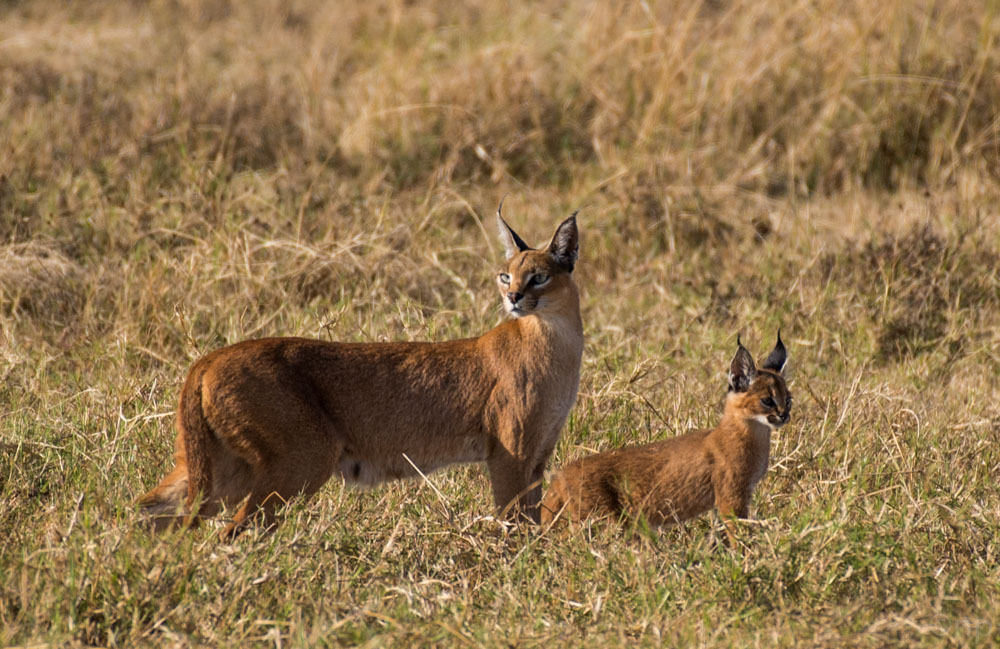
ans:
x=679 y=478
x=265 y=420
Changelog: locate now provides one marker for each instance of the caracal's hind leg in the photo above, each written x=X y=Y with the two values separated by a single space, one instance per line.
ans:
x=302 y=472
x=259 y=505
x=233 y=478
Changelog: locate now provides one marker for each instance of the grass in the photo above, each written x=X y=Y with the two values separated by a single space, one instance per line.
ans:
x=179 y=176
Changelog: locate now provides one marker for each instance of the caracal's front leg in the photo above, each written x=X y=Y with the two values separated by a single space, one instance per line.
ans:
x=513 y=493
x=517 y=481
x=533 y=499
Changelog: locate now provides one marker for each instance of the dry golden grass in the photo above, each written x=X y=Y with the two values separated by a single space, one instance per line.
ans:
x=176 y=176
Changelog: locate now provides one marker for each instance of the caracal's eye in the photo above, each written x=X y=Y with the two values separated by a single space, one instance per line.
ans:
x=504 y=278
x=539 y=279
x=768 y=402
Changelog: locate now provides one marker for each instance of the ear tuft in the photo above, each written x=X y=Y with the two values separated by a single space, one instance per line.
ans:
x=742 y=370
x=565 y=245
x=512 y=243
x=777 y=358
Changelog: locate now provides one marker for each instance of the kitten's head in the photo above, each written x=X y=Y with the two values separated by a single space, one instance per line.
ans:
x=760 y=393
x=532 y=280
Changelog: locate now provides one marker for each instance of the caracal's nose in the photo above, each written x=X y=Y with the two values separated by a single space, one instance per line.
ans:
x=514 y=297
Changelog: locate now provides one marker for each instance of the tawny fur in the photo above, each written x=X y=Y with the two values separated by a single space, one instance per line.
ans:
x=677 y=479
x=266 y=420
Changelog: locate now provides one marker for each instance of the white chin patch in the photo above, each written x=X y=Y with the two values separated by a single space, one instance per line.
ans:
x=513 y=310
x=762 y=419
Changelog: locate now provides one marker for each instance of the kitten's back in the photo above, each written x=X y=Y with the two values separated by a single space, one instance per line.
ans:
x=666 y=481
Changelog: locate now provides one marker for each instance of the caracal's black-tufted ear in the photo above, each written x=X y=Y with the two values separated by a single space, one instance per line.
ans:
x=565 y=245
x=742 y=370
x=777 y=358
x=512 y=243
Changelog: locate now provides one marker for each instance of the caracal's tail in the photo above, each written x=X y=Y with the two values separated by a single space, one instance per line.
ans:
x=170 y=502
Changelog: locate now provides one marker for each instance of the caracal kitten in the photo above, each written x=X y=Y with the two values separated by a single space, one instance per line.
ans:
x=679 y=478
x=262 y=421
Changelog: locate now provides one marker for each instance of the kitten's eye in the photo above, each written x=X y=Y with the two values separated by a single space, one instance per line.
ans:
x=768 y=402
x=539 y=279
x=504 y=278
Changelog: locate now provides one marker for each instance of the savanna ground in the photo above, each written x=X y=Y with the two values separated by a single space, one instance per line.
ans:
x=177 y=176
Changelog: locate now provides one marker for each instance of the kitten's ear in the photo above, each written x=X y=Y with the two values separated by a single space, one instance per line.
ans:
x=777 y=358
x=565 y=245
x=512 y=243
x=742 y=370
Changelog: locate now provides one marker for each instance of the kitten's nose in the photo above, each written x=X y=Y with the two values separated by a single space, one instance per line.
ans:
x=514 y=297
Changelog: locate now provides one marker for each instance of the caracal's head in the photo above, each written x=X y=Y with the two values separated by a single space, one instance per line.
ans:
x=760 y=394
x=536 y=281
